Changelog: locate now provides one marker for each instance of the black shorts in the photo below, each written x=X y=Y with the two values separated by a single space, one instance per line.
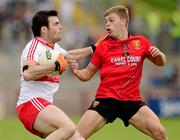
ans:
x=111 y=109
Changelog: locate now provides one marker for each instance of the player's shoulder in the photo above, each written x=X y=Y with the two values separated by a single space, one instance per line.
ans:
x=34 y=42
x=58 y=48
x=32 y=46
x=29 y=44
x=101 y=40
x=138 y=37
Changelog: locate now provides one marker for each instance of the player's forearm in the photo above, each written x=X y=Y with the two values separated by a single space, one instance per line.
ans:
x=160 y=60
x=38 y=71
x=82 y=75
x=80 y=53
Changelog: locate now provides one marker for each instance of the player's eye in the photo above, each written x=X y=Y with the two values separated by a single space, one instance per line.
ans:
x=111 y=20
x=56 y=23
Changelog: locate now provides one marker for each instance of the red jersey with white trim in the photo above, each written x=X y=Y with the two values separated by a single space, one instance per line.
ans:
x=120 y=64
x=44 y=87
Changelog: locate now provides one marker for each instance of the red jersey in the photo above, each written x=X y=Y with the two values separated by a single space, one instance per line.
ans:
x=120 y=64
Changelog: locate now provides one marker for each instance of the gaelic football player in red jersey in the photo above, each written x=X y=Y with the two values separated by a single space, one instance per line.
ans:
x=35 y=107
x=120 y=59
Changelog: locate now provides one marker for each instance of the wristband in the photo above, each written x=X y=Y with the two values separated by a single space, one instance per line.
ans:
x=25 y=67
x=57 y=66
x=93 y=47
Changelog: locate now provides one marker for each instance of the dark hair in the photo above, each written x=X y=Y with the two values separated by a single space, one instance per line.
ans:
x=41 y=19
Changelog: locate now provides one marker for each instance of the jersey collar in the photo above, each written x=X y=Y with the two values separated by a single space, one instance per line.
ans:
x=113 y=40
x=44 y=42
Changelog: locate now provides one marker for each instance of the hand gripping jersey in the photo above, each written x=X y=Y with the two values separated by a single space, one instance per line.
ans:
x=120 y=64
x=44 y=87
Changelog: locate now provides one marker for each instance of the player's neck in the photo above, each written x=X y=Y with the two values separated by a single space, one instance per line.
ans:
x=121 y=36
x=50 y=43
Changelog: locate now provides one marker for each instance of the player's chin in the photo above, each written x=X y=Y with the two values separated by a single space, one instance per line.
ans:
x=111 y=34
x=58 y=38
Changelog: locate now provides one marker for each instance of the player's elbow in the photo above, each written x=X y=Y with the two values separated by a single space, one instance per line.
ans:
x=84 y=79
x=27 y=76
x=161 y=64
x=161 y=60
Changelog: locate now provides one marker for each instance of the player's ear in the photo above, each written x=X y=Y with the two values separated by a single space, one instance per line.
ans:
x=124 y=21
x=43 y=29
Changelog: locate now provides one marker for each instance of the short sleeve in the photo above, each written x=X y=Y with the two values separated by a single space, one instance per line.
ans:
x=147 y=45
x=32 y=51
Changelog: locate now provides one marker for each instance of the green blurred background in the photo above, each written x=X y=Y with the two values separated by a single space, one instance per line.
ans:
x=82 y=20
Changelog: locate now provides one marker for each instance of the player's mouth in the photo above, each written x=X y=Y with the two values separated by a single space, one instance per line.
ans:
x=108 y=30
x=59 y=32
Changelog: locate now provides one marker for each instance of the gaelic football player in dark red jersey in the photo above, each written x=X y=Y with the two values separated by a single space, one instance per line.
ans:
x=120 y=58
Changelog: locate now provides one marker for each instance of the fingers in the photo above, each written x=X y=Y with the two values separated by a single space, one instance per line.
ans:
x=72 y=63
x=74 y=66
x=154 y=51
x=70 y=58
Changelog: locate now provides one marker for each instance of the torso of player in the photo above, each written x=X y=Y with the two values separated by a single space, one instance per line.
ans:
x=44 y=87
x=120 y=66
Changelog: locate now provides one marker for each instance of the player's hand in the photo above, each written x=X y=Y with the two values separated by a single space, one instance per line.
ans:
x=70 y=58
x=74 y=66
x=155 y=51
x=62 y=63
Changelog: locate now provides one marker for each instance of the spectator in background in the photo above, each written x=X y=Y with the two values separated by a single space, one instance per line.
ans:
x=44 y=4
x=167 y=77
x=2 y=17
x=153 y=25
x=17 y=27
x=170 y=73
x=175 y=30
x=67 y=5
x=165 y=38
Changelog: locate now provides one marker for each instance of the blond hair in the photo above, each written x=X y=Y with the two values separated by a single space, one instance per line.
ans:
x=120 y=10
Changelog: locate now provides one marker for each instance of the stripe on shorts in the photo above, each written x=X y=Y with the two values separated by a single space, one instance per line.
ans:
x=38 y=105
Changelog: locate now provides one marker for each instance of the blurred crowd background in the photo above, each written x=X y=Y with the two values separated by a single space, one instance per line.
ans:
x=82 y=22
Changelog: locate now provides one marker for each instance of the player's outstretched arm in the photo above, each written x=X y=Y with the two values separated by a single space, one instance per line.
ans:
x=84 y=74
x=78 y=54
x=157 y=57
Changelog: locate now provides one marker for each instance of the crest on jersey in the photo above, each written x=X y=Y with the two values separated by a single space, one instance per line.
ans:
x=48 y=55
x=136 y=44
x=95 y=103
x=125 y=47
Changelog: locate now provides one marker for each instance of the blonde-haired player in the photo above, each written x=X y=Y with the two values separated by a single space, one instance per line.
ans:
x=120 y=57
